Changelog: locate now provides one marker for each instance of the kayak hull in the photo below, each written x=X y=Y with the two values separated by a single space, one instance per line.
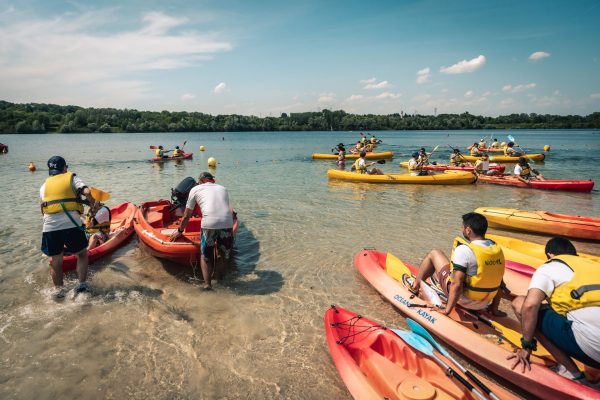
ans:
x=506 y=159
x=542 y=222
x=462 y=331
x=186 y=156
x=446 y=178
x=448 y=167
x=562 y=185
x=370 y=156
x=156 y=221
x=121 y=229
x=375 y=363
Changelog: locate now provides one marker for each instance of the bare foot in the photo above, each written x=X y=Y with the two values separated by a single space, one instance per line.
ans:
x=207 y=287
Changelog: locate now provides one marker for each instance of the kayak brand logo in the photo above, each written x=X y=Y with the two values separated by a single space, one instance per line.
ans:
x=420 y=312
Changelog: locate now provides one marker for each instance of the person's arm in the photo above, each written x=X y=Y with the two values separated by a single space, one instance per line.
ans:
x=456 y=288
x=184 y=220
x=529 y=319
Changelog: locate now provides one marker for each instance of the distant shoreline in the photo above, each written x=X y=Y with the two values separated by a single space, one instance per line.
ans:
x=51 y=118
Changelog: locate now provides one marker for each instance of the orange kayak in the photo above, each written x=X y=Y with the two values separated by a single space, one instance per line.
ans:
x=544 y=222
x=465 y=331
x=121 y=228
x=375 y=363
x=156 y=221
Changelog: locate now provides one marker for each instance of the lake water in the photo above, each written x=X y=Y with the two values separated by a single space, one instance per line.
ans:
x=147 y=331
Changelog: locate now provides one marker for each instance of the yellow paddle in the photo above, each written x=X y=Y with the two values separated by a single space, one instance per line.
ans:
x=99 y=194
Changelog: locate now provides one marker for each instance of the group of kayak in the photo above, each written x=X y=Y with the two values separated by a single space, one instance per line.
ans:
x=162 y=155
x=550 y=349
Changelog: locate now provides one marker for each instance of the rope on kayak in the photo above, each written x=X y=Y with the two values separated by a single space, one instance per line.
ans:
x=353 y=328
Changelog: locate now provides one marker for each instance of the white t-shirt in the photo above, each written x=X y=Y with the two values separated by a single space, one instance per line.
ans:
x=465 y=257
x=103 y=215
x=586 y=321
x=412 y=167
x=60 y=221
x=518 y=170
x=213 y=200
x=485 y=165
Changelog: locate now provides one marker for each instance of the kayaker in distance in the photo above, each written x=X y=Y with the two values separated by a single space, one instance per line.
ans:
x=569 y=326
x=362 y=167
x=216 y=226
x=475 y=152
x=341 y=161
x=160 y=152
x=178 y=152
x=423 y=156
x=472 y=277
x=482 y=166
x=415 y=165
x=494 y=144
x=482 y=144
x=525 y=173
x=457 y=159
x=62 y=208
x=510 y=150
x=97 y=225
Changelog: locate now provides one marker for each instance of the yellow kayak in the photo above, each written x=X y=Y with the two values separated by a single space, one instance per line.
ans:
x=542 y=222
x=506 y=159
x=446 y=178
x=370 y=156
x=528 y=253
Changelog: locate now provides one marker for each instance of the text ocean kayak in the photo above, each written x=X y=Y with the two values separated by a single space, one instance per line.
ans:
x=156 y=221
x=186 y=156
x=445 y=178
x=375 y=363
x=121 y=228
x=449 y=167
x=369 y=156
x=544 y=222
x=507 y=159
x=548 y=184
x=466 y=332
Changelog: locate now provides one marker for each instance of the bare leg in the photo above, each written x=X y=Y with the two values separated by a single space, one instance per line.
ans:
x=82 y=265
x=434 y=261
x=493 y=307
x=207 y=268
x=56 y=272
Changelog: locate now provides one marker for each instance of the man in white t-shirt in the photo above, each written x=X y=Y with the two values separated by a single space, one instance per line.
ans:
x=472 y=277
x=216 y=225
x=570 y=326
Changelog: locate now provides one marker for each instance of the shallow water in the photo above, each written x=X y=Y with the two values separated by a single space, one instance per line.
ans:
x=147 y=331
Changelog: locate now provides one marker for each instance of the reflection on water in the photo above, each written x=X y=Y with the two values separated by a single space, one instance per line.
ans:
x=147 y=331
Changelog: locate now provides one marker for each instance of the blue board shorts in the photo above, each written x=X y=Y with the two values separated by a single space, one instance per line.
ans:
x=223 y=238
x=72 y=240
x=557 y=328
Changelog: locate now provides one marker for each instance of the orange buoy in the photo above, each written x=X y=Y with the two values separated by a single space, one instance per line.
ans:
x=31 y=166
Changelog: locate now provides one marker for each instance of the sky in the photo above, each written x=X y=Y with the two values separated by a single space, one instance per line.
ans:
x=492 y=57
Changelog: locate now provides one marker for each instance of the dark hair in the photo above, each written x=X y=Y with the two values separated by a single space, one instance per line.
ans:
x=523 y=162
x=415 y=154
x=363 y=153
x=510 y=144
x=559 y=245
x=476 y=222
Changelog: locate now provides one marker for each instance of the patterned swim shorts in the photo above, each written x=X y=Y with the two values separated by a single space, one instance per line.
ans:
x=223 y=238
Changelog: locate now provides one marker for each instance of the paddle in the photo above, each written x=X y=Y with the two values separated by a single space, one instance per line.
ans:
x=420 y=344
x=433 y=151
x=153 y=147
x=99 y=194
x=419 y=330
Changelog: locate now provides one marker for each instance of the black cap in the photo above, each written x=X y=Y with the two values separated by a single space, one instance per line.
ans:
x=207 y=176
x=56 y=165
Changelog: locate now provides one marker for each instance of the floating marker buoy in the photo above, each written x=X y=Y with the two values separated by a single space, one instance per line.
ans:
x=31 y=166
x=547 y=147
x=212 y=163
x=201 y=148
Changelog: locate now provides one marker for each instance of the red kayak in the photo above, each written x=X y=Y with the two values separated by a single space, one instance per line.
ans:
x=156 y=221
x=121 y=228
x=3 y=148
x=186 y=156
x=548 y=184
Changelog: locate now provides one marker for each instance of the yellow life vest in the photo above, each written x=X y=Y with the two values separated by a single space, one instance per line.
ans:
x=96 y=227
x=474 y=151
x=490 y=270
x=525 y=172
x=359 y=169
x=373 y=140
x=158 y=152
x=177 y=153
x=59 y=189
x=583 y=290
x=363 y=140
x=494 y=145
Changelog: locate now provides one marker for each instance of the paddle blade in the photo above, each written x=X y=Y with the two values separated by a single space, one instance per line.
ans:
x=511 y=138
x=415 y=341
x=419 y=330
x=99 y=194
x=152 y=147
x=435 y=148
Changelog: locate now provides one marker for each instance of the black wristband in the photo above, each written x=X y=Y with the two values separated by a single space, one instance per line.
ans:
x=529 y=344
x=179 y=230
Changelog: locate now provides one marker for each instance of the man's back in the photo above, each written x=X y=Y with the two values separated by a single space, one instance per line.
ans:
x=213 y=200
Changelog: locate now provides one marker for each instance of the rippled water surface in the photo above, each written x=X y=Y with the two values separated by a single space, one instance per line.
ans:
x=146 y=331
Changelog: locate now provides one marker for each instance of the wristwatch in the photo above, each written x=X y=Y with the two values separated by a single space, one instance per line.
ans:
x=529 y=344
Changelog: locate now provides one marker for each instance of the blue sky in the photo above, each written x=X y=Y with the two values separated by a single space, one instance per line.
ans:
x=268 y=57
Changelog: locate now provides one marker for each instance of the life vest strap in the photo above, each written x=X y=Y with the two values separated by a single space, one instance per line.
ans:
x=577 y=293
x=479 y=289
x=67 y=200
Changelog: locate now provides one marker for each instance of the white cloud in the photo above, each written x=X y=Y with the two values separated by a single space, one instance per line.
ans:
x=370 y=80
x=464 y=66
x=220 y=88
x=380 y=85
x=486 y=94
x=518 y=88
x=387 y=96
x=355 y=97
x=80 y=58
x=469 y=93
x=188 y=96
x=506 y=103
x=423 y=75
x=595 y=96
x=538 y=55
x=326 y=98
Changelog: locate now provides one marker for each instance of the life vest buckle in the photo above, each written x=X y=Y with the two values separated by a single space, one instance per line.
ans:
x=575 y=294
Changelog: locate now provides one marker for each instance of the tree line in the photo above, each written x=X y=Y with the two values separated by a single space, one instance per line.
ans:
x=47 y=118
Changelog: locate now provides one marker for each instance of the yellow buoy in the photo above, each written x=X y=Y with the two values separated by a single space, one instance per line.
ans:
x=31 y=166
x=212 y=163
x=201 y=148
x=547 y=147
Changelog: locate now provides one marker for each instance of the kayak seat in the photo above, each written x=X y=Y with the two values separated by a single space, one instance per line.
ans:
x=158 y=216
x=193 y=225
